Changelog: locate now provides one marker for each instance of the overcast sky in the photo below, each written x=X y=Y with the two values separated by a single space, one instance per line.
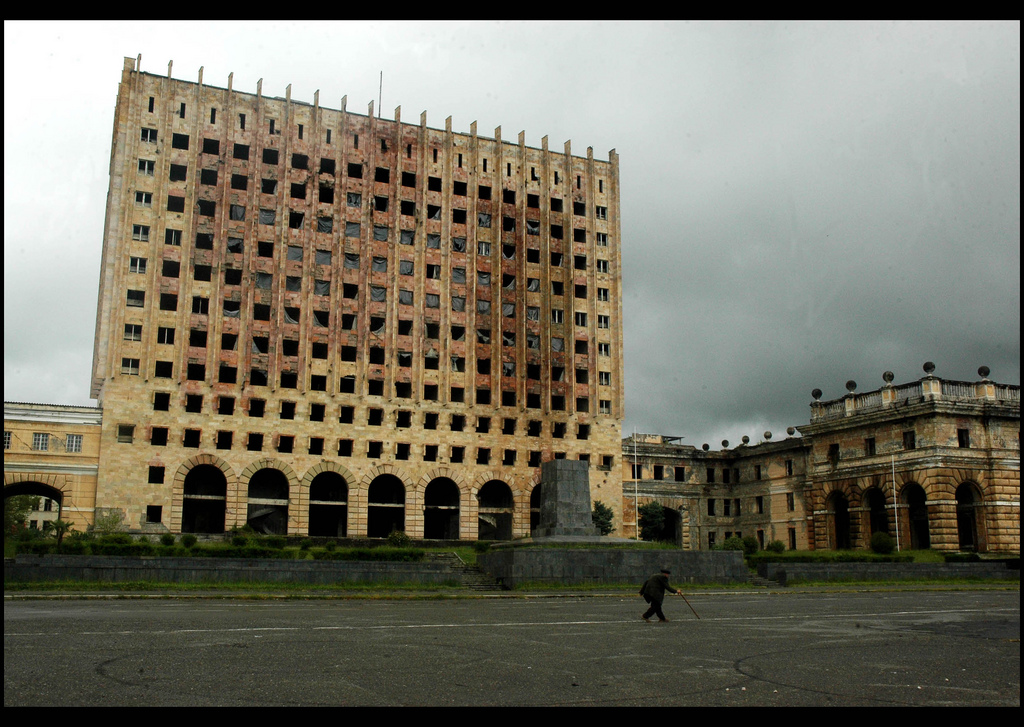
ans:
x=802 y=203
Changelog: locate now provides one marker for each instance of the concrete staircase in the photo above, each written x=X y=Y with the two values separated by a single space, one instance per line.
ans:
x=473 y=578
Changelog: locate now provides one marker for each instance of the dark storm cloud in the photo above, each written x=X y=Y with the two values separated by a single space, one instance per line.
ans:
x=802 y=203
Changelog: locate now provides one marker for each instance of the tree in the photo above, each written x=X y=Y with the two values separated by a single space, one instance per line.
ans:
x=58 y=529
x=603 y=517
x=652 y=521
x=109 y=521
x=16 y=510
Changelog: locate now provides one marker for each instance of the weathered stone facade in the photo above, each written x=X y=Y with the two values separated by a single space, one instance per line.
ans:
x=315 y=321
x=53 y=451
x=933 y=463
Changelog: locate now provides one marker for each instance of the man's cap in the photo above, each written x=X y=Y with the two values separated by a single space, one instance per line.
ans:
x=666 y=570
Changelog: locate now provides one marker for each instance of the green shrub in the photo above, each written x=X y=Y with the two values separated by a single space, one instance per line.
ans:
x=961 y=557
x=603 y=517
x=652 y=521
x=189 y=540
x=167 y=540
x=750 y=545
x=330 y=546
x=116 y=539
x=306 y=544
x=398 y=539
x=882 y=543
x=275 y=541
x=732 y=543
x=239 y=541
x=481 y=546
x=776 y=546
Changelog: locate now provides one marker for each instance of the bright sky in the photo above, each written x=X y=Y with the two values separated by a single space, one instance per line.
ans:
x=802 y=203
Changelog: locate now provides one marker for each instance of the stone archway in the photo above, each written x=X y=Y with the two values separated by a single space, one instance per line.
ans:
x=385 y=510
x=36 y=488
x=441 y=509
x=878 y=519
x=916 y=502
x=968 y=502
x=328 y=505
x=535 y=507
x=838 y=508
x=204 y=500
x=496 y=508
x=267 y=497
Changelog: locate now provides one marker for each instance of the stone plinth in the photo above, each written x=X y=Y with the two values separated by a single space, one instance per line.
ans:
x=565 y=508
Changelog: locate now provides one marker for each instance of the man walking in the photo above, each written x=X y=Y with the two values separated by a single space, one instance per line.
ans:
x=653 y=591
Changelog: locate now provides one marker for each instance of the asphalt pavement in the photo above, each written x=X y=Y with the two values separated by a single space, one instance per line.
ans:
x=750 y=647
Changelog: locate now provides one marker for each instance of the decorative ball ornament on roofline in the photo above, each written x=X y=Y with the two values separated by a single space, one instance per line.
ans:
x=983 y=372
x=791 y=431
x=851 y=386
x=816 y=394
x=888 y=376
x=706 y=446
x=725 y=444
x=928 y=367
x=746 y=439
x=767 y=435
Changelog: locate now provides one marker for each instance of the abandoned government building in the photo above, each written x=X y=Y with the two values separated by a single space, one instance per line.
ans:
x=318 y=322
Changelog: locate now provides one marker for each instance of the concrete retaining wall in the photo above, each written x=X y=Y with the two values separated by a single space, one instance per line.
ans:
x=514 y=566
x=32 y=568
x=792 y=572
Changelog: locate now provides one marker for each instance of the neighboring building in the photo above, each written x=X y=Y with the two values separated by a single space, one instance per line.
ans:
x=53 y=451
x=315 y=321
x=944 y=455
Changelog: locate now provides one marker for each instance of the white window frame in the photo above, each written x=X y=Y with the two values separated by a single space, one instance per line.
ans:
x=132 y=332
x=140 y=232
x=602 y=295
x=40 y=441
x=130 y=366
x=137 y=265
x=604 y=378
x=602 y=266
x=604 y=349
x=74 y=443
x=144 y=199
x=604 y=322
x=147 y=167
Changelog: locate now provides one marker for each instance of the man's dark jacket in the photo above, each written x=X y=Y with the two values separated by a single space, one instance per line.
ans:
x=654 y=588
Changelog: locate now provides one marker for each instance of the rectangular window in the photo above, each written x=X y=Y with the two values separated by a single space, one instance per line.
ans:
x=964 y=438
x=148 y=135
x=909 y=440
x=132 y=332
x=140 y=232
x=74 y=443
x=147 y=167
x=136 y=298
x=41 y=441
x=603 y=322
x=869 y=447
x=137 y=265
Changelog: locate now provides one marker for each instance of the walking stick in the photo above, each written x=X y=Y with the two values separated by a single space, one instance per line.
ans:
x=688 y=604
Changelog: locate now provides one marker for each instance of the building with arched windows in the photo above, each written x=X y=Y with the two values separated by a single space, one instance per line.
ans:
x=933 y=463
x=314 y=321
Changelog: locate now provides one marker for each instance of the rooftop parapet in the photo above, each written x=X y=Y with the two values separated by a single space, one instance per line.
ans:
x=928 y=388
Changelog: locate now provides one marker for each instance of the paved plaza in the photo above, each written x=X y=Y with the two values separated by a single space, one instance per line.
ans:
x=882 y=648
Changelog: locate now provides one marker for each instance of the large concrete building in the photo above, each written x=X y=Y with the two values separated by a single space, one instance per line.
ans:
x=934 y=463
x=316 y=321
